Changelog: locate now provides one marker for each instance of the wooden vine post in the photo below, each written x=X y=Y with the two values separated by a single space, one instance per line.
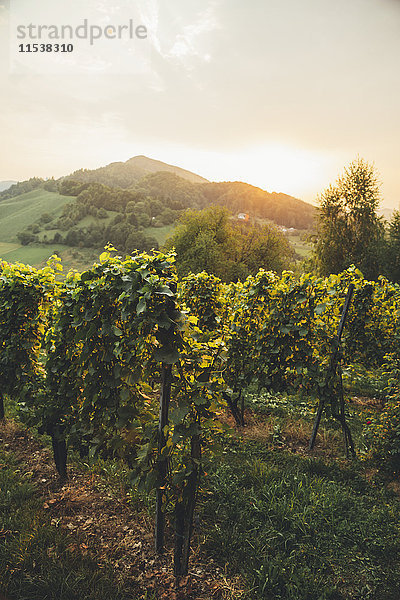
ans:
x=184 y=511
x=334 y=370
x=236 y=410
x=59 y=452
x=162 y=460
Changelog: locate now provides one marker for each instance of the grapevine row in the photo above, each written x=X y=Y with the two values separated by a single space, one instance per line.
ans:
x=124 y=359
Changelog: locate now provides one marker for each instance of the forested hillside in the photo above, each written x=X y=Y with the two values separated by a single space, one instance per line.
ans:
x=242 y=197
x=126 y=174
x=133 y=205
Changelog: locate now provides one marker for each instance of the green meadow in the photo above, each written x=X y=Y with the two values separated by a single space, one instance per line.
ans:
x=33 y=254
x=19 y=212
x=160 y=233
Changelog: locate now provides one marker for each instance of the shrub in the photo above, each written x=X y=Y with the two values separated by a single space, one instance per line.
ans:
x=383 y=431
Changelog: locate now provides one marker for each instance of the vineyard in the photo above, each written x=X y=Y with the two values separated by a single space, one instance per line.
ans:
x=125 y=360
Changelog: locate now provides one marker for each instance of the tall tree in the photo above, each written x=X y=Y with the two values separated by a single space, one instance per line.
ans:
x=212 y=240
x=349 y=228
x=393 y=248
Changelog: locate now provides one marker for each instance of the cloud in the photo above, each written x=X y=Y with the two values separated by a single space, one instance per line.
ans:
x=193 y=39
x=223 y=76
x=183 y=37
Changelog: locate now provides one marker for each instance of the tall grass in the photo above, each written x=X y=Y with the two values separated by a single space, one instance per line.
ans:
x=300 y=529
x=37 y=560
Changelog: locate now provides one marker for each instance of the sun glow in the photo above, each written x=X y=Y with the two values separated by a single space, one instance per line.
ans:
x=276 y=167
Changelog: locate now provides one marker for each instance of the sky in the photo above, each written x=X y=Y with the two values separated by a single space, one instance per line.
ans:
x=282 y=94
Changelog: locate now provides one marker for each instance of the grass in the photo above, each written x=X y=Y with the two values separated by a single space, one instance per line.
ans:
x=37 y=560
x=37 y=255
x=6 y=247
x=33 y=254
x=300 y=246
x=90 y=220
x=19 y=212
x=48 y=234
x=160 y=233
x=292 y=526
x=365 y=382
x=301 y=528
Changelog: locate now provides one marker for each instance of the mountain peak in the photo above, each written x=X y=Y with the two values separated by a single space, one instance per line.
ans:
x=130 y=172
x=151 y=165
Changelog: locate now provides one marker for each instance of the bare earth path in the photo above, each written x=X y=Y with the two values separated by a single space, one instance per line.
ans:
x=106 y=525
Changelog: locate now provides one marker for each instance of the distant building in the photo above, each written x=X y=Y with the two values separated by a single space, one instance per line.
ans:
x=243 y=217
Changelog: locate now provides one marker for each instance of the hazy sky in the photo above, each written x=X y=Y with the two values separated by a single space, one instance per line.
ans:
x=279 y=93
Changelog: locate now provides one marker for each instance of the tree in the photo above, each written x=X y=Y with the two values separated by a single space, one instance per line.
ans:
x=393 y=248
x=202 y=242
x=132 y=219
x=102 y=213
x=45 y=218
x=25 y=237
x=261 y=246
x=50 y=185
x=167 y=216
x=349 y=229
x=211 y=240
x=131 y=207
x=73 y=236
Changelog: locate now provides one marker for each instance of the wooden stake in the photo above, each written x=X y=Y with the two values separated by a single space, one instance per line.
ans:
x=332 y=368
x=162 y=462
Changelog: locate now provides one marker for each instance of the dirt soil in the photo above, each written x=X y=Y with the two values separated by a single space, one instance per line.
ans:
x=294 y=436
x=105 y=525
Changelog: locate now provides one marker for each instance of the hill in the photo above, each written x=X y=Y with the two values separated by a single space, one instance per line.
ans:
x=126 y=174
x=236 y=196
x=242 y=197
x=137 y=207
x=182 y=189
x=178 y=193
x=22 y=211
x=4 y=185
x=22 y=187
